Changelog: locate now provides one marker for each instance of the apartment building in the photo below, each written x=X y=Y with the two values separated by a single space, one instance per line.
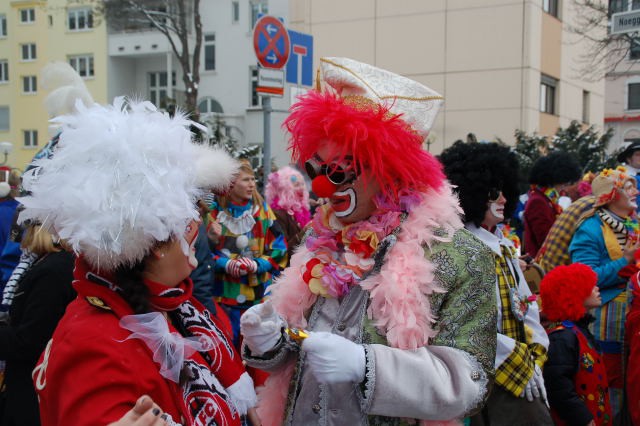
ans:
x=32 y=33
x=501 y=65
x=622 y=101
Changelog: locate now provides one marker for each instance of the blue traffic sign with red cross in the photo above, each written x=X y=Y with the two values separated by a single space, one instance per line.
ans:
x=271 y=42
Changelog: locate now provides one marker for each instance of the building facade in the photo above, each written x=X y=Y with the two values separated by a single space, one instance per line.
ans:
x=622 y=104
x=501 y=65
x=32 y=33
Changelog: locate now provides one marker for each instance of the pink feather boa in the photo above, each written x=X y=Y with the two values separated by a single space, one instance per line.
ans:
x=400 y=304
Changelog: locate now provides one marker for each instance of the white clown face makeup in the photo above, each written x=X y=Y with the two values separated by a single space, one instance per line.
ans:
x=352 y=201
x=495 y=212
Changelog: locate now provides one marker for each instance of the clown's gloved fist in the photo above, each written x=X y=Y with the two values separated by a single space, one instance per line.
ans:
x=334 y=359
x=535 y=388
x=261 y=327
x=247 y=264
x=235 y=268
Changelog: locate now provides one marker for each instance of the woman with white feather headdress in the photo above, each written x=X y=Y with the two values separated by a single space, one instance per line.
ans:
x=131 y=178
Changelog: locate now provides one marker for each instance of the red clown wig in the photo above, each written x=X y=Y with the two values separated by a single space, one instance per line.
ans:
x=379 y=142
x=564 y=289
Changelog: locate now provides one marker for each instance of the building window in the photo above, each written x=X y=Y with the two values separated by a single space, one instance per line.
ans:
x=28 y=52
x=4 y=71
x=4 y=118
x=158 y=88
x=209 y=52
x=255 y=97
x=30 y=138
x=548 y=89
x=83 y=64
x=586 y=106
x=80 y=19
x=235 y=11
x=29 y=84
x=551 y=7
x=27 y=16
x=3 y=25
x=258 y=8
x=633 y=96
x=209 y=105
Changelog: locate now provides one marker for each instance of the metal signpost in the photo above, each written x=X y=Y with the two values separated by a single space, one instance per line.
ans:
x=272 y=46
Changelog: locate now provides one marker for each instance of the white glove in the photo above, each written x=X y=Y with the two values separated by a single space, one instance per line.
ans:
x=535 y=387
x=248 y=264
x=334 y=359
x=234 y=268
x=261 y=327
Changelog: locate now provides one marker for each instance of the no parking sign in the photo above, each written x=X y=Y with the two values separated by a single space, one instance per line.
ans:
x=271 y=42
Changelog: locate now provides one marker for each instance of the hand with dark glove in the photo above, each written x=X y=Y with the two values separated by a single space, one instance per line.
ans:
x=334 y=359
x=261 y=327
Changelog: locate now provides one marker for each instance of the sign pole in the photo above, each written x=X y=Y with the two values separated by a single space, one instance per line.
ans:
x=266 y=151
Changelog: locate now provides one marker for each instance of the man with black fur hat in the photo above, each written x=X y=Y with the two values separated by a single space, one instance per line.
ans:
x=486 y=176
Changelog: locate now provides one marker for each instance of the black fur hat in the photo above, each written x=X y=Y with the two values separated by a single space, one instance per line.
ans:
x=477 y=168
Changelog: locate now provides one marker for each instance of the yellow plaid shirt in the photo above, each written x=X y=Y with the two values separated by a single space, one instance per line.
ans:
x=516 y=371
x=555 y=249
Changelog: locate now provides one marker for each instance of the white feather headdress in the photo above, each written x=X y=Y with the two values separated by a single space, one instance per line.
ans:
x=123 y=177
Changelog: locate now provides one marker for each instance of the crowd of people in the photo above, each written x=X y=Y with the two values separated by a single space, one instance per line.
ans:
x=150 y=283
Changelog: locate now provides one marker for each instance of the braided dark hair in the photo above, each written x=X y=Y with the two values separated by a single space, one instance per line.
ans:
x=134 y=292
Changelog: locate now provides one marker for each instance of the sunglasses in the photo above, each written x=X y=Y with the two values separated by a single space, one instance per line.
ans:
x=494 y=194
x=337 y=174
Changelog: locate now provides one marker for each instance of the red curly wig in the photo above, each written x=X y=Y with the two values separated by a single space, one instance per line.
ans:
x=379 y=142
x=564 y=289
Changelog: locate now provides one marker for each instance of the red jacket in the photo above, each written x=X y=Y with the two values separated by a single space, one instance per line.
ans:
x=90 y=375
x=539 y=215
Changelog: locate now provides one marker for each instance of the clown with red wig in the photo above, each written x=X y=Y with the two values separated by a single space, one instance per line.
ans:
x=574 y=374
x=387 y=312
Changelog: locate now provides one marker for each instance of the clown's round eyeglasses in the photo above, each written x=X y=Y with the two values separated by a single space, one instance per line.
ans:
x=336 y=173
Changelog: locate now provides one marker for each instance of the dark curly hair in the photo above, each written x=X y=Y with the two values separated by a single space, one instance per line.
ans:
x=555 y=168
x=474 y=169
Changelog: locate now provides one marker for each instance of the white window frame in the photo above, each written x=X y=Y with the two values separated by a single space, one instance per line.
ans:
x=29 y=138
x=629 y=82
x=29 y=84
x=84 y=15
x=210 y=104
x=209 y=41
x=6 y=108
x=4 y=71
x=255 y=100
x=27 y=15
x=586 y=106
x=552 y=7
x=156 y=95
x=30 y=54
x=235 y=11
x=3 y=26
x=83 y=64
x=258 y=7
x=548 y=90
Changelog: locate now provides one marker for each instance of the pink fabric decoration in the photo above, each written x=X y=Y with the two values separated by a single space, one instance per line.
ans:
x=400 y=305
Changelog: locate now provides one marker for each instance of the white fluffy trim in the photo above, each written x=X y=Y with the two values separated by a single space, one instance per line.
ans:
x=215 y=168
x=243 y=394
x=5 y=189
x=66 y=87
x=122 y=178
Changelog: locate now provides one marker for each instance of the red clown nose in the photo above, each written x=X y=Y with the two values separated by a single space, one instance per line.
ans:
x=323 y=187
